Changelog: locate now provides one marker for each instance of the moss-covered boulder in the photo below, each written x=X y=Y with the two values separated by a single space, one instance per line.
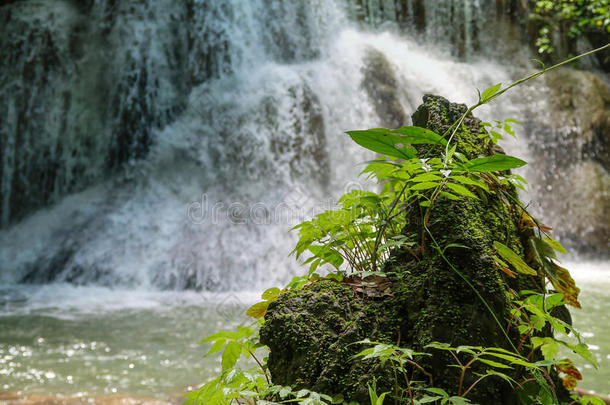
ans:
x=311 y=332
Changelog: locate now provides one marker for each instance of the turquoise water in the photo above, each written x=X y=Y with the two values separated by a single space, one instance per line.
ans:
x=94 y=341
x=593 y=321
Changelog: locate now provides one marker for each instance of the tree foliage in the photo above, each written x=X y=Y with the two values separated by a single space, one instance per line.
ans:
x=570 y=18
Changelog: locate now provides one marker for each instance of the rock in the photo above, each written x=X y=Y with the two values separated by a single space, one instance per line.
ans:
x=311 y=333
x=82 y=95
x=381 y=86
x=579 y=98
x=572 y=159
x=583 y=200
x=301 y=42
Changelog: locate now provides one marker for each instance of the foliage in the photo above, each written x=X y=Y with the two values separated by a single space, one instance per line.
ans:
x=367 y=229
x=573 y=18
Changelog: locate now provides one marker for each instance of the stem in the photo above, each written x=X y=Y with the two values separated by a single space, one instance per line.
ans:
x=409 y=390
x=523 y=383
x=358 y=244
x=420 y=368
x=460 y=386
x=259 y=364
x=395 y=385
x=457 y=124
x=383 y=227
x=540 y=73
x=456 y=359
x=473 y=384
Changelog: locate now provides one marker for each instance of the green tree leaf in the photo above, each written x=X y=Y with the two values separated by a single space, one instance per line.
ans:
x=514 y=259
x=450 y=196
x=271 y=294
x=258 y=310
x=419 y=135
x=384 y=141
x=230 y=355
x=490 y=92
x=424 y=186
x=494 y=163
x=426 y=177
x=461 y=190
x=469 y=181
x=555 y=245
x=216 y=347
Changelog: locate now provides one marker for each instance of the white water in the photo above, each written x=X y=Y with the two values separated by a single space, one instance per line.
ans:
x=262 y=138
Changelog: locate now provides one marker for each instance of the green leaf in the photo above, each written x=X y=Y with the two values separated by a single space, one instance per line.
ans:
x=501 y=375
x=424 y=186
x=338 y=399
x=383 y=141
x=284 y=391
x=449 y=196
x=591 y=400
x=548 y=346
x=514 y=259
x=216 y=347
x=427 y=399
x=493 y=363
x=437 y=391
x=455 y=245
x=327 y=254
x=494 y=163
x=418 y=135
x=543 y=248
x=271 y=294
x=461 y=190
x=381 y=399
x=258 y=310
x=230 y=355
x=555 y=245
x=469 y=181
x=425 y=177
x=550 y=350
x=222 y=335
x=490 y=92
x=583 y=351
x=459 y=400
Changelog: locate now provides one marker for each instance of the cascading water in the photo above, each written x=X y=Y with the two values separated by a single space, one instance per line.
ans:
x=171 y=144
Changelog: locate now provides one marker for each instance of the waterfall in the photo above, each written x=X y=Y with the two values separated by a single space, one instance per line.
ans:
x=172 y=144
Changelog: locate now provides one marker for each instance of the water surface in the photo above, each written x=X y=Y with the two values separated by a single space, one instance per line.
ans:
x=89 y=341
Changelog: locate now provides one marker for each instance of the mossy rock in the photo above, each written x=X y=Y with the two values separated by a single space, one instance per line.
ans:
x=311 y=333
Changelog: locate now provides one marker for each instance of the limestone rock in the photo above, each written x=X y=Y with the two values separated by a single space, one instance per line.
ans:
x=572 y=158
x=381 y=86
x=312 y=333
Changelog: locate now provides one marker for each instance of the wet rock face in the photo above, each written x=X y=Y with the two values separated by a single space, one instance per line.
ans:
x=298 y=44
x=311 y=332
x=462 y=26
x=83 y=92
x=572 y=158
x=381 y=86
